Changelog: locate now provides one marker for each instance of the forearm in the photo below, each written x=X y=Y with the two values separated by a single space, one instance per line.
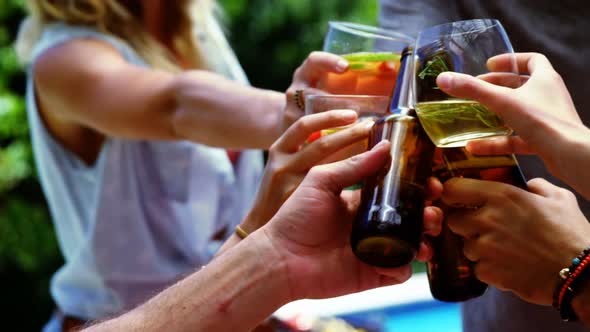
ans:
x=233 y=293
x=219 y=112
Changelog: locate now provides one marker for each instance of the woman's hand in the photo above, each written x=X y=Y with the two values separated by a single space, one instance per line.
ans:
x=541 y=112
x=519 y=239
x=305 y=79
x=290 y=158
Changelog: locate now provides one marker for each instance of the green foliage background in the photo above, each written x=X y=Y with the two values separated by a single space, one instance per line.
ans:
x=271 y=38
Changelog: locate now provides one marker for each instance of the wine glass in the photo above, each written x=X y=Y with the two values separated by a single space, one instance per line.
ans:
x=464 y=47
x=373 y=54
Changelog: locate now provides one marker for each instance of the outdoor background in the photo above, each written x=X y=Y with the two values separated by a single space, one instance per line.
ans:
x=270 y=38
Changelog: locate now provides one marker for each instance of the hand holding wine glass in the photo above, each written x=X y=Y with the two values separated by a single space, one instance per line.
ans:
x=541 y=112
x=462 y=47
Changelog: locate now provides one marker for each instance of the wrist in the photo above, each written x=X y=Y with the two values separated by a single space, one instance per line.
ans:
x=272 y=259
x=271 y=123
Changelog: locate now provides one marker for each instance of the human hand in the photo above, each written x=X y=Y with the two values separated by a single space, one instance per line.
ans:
x=305 y=79
x=519 y=239
x=290 y=160
x=311 y=231
x=540 y=110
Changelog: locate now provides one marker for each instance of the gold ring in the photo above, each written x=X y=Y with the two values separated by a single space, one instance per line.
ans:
x=240 y=232
x=299 y=101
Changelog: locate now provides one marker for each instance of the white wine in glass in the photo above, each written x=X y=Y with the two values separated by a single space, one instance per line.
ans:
x=464 y=47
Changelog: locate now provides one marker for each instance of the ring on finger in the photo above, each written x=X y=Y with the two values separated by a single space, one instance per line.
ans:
x=299 y=99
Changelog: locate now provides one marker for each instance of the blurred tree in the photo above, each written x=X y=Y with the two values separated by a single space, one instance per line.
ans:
x=28 y=248
x=271 y=38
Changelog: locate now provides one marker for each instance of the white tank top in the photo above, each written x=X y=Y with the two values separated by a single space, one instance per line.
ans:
x=144 y=214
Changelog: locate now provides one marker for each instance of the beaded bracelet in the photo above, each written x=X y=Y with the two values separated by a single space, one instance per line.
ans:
x=566 y=311
x=565 y=273
x=570 y=279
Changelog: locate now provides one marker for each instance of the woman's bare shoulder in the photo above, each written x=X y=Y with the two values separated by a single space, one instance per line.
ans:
x=73 y=63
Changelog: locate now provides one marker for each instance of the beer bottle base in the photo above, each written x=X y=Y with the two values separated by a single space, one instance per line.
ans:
x=460 y=293
x=383 y=251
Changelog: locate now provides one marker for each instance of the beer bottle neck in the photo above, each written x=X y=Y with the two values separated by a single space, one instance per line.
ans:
x=400 y=101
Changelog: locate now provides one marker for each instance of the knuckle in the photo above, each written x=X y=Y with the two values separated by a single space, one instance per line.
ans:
x=537 y=182
x=319 y=172
x=565 y=194
x=355 y=160
x=538 y=56
x=507 y=192
x=553 y=76
x=322 y=146
x=359 y=131
x=298 y=71
x=273 y=153
x=277 y=173
x=303 y=124
x=314 y=55
x=486 y=243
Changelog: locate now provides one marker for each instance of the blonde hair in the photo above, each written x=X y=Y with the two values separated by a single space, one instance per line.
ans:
x=115 y=18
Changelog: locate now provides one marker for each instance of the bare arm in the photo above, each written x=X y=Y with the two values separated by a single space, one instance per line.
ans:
x=303 y=252
x=86 y=82
x=234 y=293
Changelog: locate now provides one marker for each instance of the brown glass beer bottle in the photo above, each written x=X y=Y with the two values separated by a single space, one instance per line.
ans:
x=388 y=226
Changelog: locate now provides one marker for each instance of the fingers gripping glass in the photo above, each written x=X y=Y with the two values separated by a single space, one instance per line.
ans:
x=464 y=47
x=367 y=107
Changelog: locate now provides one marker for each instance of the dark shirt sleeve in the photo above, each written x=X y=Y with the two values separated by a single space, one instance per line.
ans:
x=409 y=17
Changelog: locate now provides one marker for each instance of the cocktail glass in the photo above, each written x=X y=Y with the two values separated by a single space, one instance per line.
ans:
x=373 y=54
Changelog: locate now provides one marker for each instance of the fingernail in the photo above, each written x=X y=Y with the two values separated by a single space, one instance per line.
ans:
x=342 y=65
x=445 y=81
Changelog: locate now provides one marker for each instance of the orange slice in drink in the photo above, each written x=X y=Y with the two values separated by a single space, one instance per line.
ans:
x=368 y=74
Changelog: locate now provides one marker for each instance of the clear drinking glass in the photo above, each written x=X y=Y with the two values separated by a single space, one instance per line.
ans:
x=464 y=47
x=373 y=55
x=367 y=107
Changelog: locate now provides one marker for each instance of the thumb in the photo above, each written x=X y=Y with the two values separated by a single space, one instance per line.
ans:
x=468 y=87
x=336 y=176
